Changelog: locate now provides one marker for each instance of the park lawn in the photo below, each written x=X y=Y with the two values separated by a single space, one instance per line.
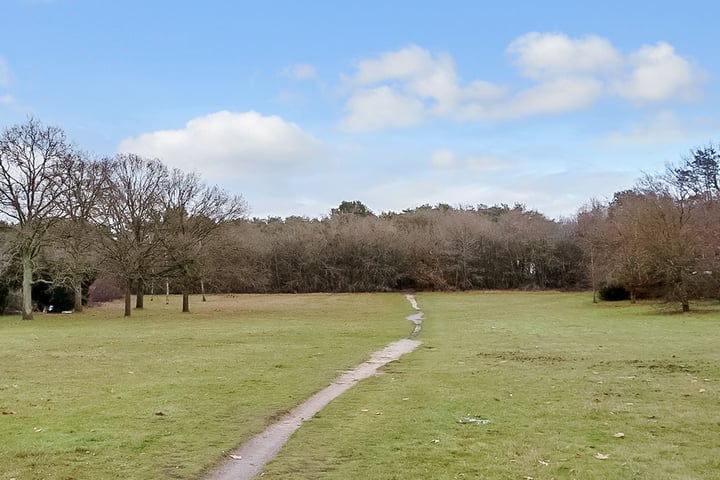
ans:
x=164 y=394
x=551 y=379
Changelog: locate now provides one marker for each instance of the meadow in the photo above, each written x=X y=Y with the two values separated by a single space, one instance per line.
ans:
x=529 y=385
x=505 y=385
x=164 y=394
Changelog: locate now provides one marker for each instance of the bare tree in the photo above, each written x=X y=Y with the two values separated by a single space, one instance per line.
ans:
x=698 y=174
x=192 y=212
x=32 y=160
x=130 y=218
x=75 y=238
x=591 y=231
x=465 y=237
x=630 y=237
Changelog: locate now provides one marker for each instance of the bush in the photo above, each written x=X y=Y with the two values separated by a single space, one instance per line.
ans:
x=59 y=297
x=104 y=289
x=614 y=293
x=4 y=298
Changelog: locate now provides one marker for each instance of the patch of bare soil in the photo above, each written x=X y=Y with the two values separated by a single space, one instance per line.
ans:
x=248 y=461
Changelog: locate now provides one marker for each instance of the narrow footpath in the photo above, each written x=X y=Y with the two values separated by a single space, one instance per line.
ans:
x=248 y=462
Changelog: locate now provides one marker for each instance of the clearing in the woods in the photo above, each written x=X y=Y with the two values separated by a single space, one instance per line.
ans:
x=504 y=385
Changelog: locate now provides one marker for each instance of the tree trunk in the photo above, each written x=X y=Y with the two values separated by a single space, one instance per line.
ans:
x=592 y=275
x=685 y=300
x=77 y=286
x=202 y=290
x=185 y=302
x=167 y=292
x=682 y=294
x=128 y=298
x=27 y=310
x=140 y=299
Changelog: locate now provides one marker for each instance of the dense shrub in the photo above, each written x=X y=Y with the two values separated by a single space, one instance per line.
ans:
x=58 y=297
x=104 y=289
x=614 y=293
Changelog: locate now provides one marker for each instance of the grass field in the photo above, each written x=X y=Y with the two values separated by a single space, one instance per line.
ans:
x=162 y=395
x=556 y=377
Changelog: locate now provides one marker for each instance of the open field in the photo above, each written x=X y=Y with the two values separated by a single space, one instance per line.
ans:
x=161 y=395
x=556 y=377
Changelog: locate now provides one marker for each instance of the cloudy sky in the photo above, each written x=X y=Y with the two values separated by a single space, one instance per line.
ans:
x=300 y=105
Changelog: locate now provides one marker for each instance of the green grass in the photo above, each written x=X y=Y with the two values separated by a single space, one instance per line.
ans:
x=162 y=395
x=556 y=376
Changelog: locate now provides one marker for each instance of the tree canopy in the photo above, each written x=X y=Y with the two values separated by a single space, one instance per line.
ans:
x=68 y=219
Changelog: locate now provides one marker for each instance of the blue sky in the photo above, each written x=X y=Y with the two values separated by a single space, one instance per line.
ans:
x=300 y=105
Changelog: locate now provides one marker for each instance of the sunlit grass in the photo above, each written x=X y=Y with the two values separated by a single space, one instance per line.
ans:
x=556 y=377
x=163 y=394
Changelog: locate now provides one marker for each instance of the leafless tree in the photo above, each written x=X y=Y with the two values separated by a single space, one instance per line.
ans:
x=74 y=238
x=629 y=235
x=192 y=212
x=32 y=181
x=129 y=219
x=591 y=232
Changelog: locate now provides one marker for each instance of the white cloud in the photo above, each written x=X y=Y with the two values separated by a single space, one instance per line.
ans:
x=381 y=107
x=405 y=64
x=411 y=85
x=226 y=145
x=486 y=163
x=301 y=71
x=443 y=159
x=542 y=55
x=7 y=99
x=661 y=128
x=555 y=96
x=658 y=74
x=554 y=195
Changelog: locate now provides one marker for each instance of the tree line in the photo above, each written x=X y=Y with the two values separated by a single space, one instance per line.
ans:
x=428 y=248
x=70 y=219
x=662 y=237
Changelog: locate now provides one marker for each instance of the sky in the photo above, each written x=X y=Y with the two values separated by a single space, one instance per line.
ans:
x=298 y=106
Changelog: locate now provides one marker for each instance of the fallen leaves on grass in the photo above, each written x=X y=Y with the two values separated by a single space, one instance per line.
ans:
x=544 y=462
x=601 y=456
x=235 y=457
x=8 y=412
x=37 y=429
x=619 y=435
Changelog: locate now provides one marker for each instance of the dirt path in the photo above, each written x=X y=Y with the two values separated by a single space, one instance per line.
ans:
x=248 y=461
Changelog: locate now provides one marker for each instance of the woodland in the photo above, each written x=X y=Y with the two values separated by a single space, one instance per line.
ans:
x=76 y=228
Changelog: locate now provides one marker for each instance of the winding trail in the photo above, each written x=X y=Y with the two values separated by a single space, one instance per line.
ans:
x=249 y=460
